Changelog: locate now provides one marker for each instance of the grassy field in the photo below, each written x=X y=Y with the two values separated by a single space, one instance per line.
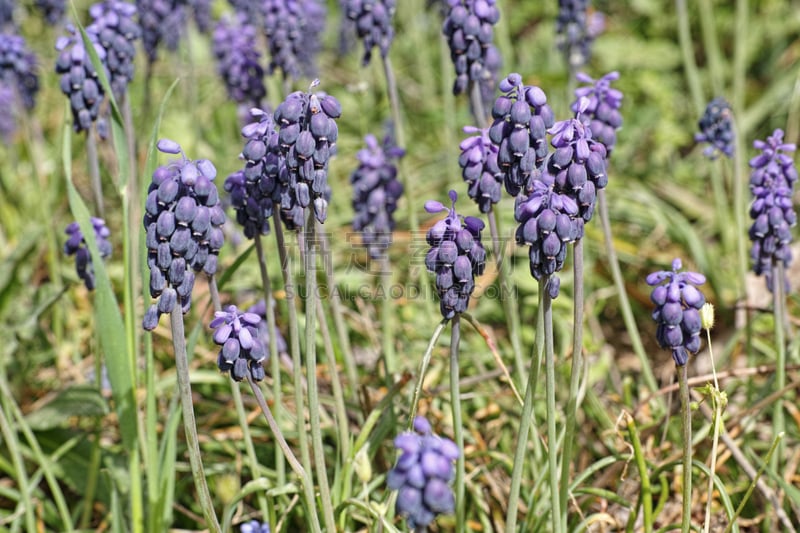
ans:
x=605 y=448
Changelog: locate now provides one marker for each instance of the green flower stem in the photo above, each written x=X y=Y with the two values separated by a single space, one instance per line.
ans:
x=507 y=296
x=275 y=368
x=756 y=479
x=740 y=57
x=305 y=476
x=12 y=444
x=297 y=364
x=338 y=315
x=686 y=415
x=94 y=173
x=526 y=420
x=336 y=384
x=779 y=311
x=625 y=304
x=311 y=373
x=711 y=45
x=387 y=320
x=689 y=64
x=646 y=493
x=458 y=430
x=718 y=403
x=476 y=105
x=575 y=376
x=550 y=385
x=192 y=443
x=426 y=359
x=740 y=208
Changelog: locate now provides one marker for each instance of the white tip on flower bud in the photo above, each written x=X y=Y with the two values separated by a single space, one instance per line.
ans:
x=707 y=316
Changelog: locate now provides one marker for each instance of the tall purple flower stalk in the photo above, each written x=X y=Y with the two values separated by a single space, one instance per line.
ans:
x=772 y=185
x=677 y=313
x=238 y=60
x=18 y=68
x=373 y=24
x=53 y=10
x=576 y=30
x=79 y=79
x=307 y=139
x=183 y=220
x=117 y=31
x=469 y=28
x=293 y=29
x=376 y=191
x=423 y=474
x=456 y=256
x=578 y=163
x=521 y=120
x=163 y=23
x=602 y=111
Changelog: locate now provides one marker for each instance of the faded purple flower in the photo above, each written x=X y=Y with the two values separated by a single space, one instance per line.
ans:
x=76 y=245
x=373 y=24
x=376 y=191
x=238 y=60
x=716 y=129
x=423 y=474
x=293 y=29
x=241 y=349
x=602 y=111
x=18 y=68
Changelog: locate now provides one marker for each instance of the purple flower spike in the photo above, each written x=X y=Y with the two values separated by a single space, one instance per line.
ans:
x=602 y=112
x=677 y=312
x=163 y=23
x=373 y=24
x=117 y=32
x=293 y=29
x=238 y=60
x=576 y=30
x=423 y=474
x=480 y=168
x=76 y=245
x=716 y=129
x=254 y=526
x=521 y=120
x=469 y=29
x=548 y=222
x=376 y=191
x=183 y=219
x=79 y=80
x=456 y=256
x=307 y=140
x=772 y=184
x=242 y=349
x=18 y=68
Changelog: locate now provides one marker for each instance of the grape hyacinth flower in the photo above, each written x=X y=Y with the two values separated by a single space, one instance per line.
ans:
x=254 y=526
x=76 y=245
x=578 y=163
x=480 y=168
x=242 y=351
x=79 y=79
x=53 y=10
x=257 y=189
x=116 y=31
x=376 y=190
x=469 y=28
x=238 y=60
x=456 y=256
x=677 y=313
x=307 y=138
x=162 y=22
x=772 y=185
x=716 y=129
x=548 y=222
x=293 y=29
x=373 y=24
x=183 y=219
x=201 y=13
x=18 y=68
x=423 y=474
x=521 y=120
x=6 y=13
x=576 y=29
x=602 y=112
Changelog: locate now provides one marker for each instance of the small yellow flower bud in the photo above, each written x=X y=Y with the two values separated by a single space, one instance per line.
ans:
x=362 y=465
x=707 y=316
